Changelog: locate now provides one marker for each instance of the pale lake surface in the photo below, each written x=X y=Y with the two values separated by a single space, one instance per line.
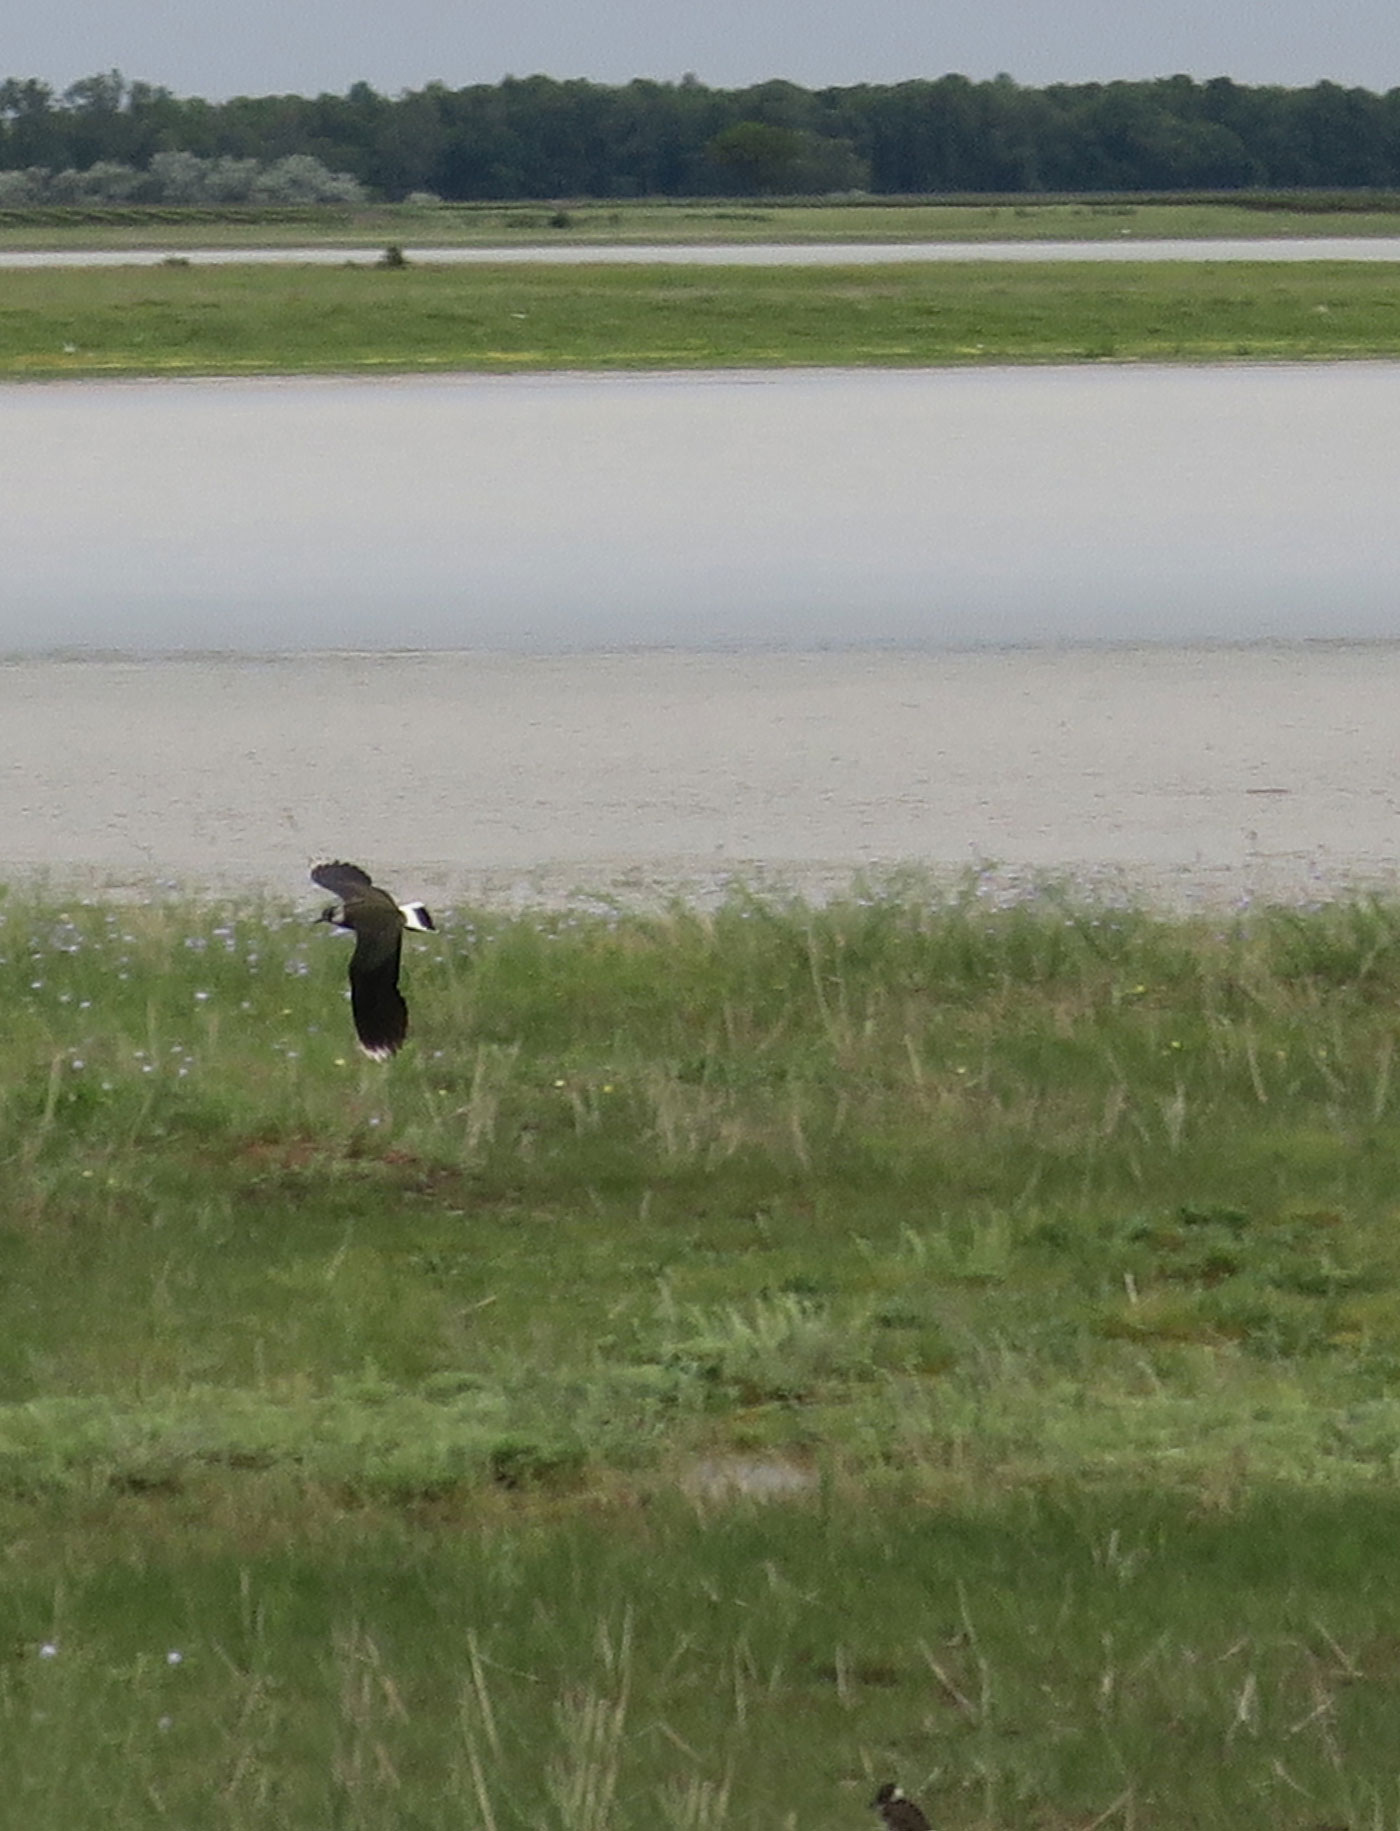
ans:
x=750 y=254
x=797 y=509
x=693 y=629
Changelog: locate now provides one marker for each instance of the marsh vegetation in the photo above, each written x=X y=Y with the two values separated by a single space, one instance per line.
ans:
x=946 y=1336
x=186 y=319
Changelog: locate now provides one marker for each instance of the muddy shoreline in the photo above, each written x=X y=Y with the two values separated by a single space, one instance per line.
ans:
x=1185 y=776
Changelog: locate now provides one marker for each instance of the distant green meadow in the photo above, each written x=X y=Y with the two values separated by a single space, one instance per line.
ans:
x=247 y=320
x=570 y=221
x=375 y=315
x=728 y=1360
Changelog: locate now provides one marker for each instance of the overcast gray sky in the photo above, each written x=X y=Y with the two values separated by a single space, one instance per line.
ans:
x=259 y=47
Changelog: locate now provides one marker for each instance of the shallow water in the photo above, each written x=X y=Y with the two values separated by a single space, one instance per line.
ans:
x=749 y=254
x=796 y=509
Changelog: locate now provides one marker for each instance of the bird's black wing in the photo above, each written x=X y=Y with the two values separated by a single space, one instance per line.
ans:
x=904 y=1815
x=340 y=879
x=381 y=1016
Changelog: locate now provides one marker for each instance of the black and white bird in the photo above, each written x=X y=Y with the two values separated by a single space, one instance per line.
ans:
x=898 y=1810
x=377 y=922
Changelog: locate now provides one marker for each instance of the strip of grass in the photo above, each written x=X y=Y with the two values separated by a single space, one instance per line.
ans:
x=702 y=220
x=251 y=320
x=1033 y=1264
x=1065 y=1660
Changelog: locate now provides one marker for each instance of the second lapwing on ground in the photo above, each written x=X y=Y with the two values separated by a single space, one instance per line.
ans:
x=378 y=924
x=898 y=1810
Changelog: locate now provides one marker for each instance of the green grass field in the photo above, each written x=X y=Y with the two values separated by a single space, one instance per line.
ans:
x=253 y=320
x=726 y=1361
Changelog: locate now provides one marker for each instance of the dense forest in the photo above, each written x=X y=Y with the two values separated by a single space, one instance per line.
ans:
x=106 y=139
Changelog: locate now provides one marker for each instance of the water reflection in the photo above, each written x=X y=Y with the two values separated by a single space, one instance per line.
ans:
x=797 y=509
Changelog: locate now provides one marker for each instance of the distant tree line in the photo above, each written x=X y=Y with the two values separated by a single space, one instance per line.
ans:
x=536 y=137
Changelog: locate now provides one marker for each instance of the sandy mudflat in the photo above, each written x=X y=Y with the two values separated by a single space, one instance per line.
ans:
x=1189 y=776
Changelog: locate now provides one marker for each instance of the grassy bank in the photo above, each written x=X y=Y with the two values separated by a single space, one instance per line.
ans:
x=1064 y=1662
x=571 y=221
x=1036 y=1267
x=175 y=320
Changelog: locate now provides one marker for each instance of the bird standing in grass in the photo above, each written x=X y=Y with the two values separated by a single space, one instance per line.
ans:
x=377 y=922
x=899 y=1812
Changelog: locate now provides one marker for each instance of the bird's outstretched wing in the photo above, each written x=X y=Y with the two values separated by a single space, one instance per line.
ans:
x=376 y=1004
x=340 y=879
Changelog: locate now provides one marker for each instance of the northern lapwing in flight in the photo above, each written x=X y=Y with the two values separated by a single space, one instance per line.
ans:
x=377 y=922
x=898 y=1810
